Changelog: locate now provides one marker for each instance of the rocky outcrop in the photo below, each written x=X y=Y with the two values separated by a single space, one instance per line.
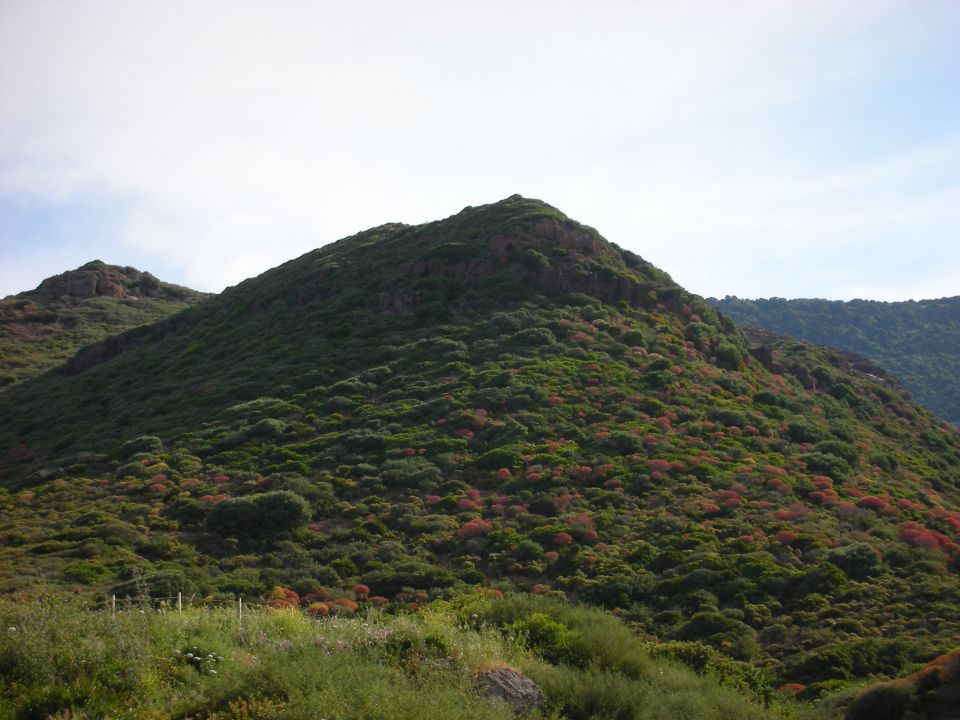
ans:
x=97 y=279
x=772 y=351
x=511 y=687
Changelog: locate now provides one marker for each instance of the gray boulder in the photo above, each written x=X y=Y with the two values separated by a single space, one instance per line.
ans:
x=511 y=687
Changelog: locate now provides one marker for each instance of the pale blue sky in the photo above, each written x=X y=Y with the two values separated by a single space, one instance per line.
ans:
x=791 y=148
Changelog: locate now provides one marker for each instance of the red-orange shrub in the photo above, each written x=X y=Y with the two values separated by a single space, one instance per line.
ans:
x=787 y=537
x=318 y=609
x=474 y=528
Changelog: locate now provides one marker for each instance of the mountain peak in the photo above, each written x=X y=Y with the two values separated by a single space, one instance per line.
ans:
x=513 y=249
x=98 y=279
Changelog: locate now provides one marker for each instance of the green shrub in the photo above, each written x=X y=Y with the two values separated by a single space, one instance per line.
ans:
x=882 y=702
x=824 y=578
x=723 y=632
x=142 y=444
x=857 y=560
x=497 y=458
x=132 y=469
x=548 y=638
x=391 y=579
x=261 y=515
x=705 y=660
x=139 y=583
x=533 y=260
x=86 y=572
x=410 y=473
x=729 y=356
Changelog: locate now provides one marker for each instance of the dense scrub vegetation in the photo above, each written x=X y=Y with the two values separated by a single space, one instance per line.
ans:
x=919 y=342
x=499 y=397
x=42 y=328
x=931 y=692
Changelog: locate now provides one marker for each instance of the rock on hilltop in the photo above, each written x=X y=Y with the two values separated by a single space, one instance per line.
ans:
x=98 y=279
x=41 y=328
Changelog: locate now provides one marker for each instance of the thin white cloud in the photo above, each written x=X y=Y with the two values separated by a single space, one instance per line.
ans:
x=232 y=136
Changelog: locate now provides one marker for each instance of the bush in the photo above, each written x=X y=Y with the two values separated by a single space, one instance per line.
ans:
x=826 y=464
x=804 y=431
x=534 y=261
x=705 y=660
x=391 y=579
x=132 y=469
x=882 y=702
x=86 y=573
x=858 y=560
x=499 y=457
x=142 y=444
x=824 y=578
x=410 y=473
x=729 y=356
x=596 y=693
x=852 y=659
x=262 y=515
x=548 y=638
x=141 y=584
x=733 y=637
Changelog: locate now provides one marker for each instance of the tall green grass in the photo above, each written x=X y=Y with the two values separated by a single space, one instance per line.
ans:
x=61 y=660
x=604 y=670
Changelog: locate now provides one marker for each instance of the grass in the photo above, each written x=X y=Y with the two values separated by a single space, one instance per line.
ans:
x=60 y=659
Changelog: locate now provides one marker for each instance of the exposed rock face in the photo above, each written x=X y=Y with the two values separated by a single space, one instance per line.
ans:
x=97 y=279
x=764 y=355
x=512 y=687
x=769 y=347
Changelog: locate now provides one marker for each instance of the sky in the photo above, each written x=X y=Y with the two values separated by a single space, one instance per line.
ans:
x=806 y=148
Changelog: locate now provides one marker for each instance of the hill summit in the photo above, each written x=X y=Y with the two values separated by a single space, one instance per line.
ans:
x=41 y=328
x=98 y=279
x=501 y=398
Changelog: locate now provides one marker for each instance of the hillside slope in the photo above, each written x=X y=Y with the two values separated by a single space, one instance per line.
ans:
x=499 y=397
x=919 y=342
x=41 y=328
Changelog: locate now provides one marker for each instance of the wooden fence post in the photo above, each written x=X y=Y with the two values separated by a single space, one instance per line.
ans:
x=240 y=618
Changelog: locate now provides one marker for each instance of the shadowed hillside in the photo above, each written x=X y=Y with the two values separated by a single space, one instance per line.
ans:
x=41 y=328
x=918 y=342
